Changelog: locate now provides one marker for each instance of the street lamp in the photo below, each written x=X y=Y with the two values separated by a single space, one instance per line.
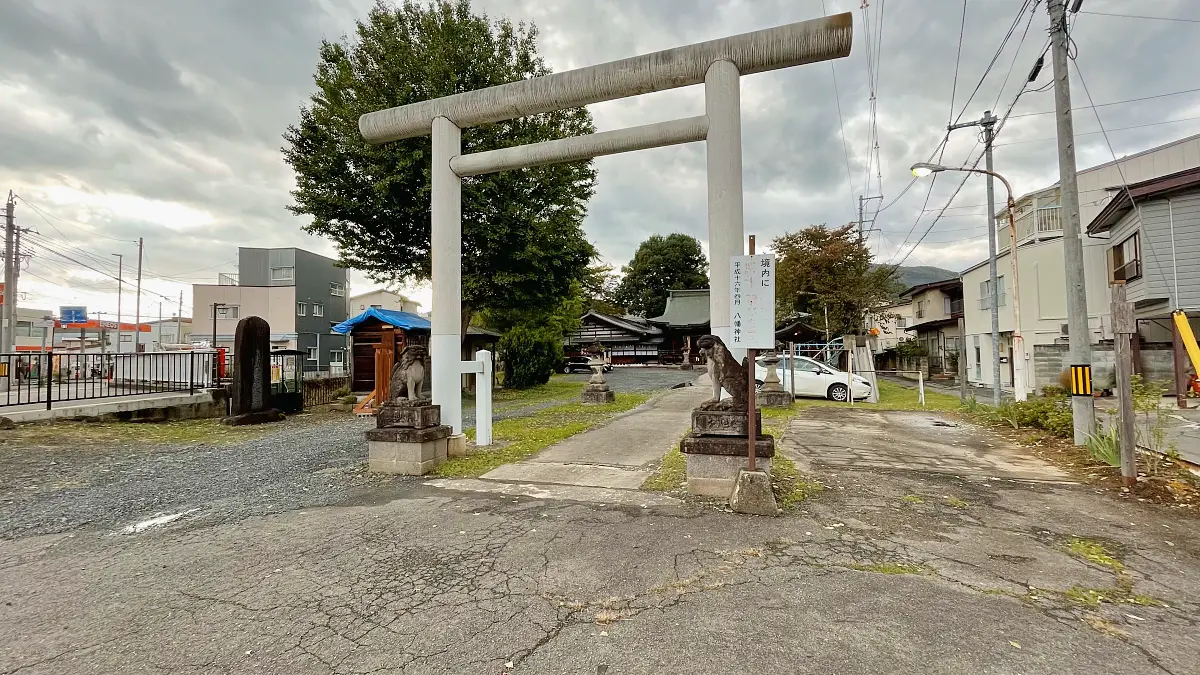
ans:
x=922 y=169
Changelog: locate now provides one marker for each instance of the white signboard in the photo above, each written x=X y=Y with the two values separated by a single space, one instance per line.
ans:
x=752 y=301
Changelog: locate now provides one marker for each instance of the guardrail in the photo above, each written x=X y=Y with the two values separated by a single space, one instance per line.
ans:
x=48 y=378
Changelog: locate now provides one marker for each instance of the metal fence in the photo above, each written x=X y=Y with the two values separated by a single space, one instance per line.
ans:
x=49 y=378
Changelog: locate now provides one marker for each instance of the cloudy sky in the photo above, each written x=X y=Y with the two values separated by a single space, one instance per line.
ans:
x=162 y=119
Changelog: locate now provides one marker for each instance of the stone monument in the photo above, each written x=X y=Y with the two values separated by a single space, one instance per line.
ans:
x=718 y=444
x=251 y=400
x=772 y=393
x=686 y=364
x=408 y=437
x=597 y=392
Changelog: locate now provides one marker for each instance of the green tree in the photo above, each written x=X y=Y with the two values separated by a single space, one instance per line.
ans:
x=823 y=270
x=523 y=247
x=675 y=261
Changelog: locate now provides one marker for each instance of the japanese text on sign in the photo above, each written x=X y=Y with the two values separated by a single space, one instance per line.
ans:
x=752 y=301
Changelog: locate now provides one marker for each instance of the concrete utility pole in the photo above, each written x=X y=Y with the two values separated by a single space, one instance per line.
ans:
x=137 y=327
x=988 y=123
x=9 y=263
x=862 y=200
x=1077 y=315
x=179 y=322
x=1124 y=331
x=120 y=282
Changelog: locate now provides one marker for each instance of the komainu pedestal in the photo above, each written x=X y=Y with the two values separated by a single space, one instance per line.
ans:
x=409 y=438
x=718 y=445
x=597 y=392
x=772 y=394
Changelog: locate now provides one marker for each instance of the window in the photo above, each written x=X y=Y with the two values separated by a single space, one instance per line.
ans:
x=1125 y=259
x=337 y=356
x=337 y=290
x=946 y=305
x=126 y=337
x=283 y=273
x=920 y=309
x=985 y=293
x=312 y=353
x=167 y=338
x=226 y=312
x=318 y=309
x=27 y=329
x=901 y=322
x=301 y=309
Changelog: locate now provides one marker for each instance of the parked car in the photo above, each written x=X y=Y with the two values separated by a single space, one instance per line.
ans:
x=581 y=364
x=815 y=379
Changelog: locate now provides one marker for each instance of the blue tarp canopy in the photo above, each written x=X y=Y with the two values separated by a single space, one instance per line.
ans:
x=403 y=320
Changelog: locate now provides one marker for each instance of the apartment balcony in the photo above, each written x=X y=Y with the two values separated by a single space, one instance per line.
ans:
x=986 y=301
x=1043 y=222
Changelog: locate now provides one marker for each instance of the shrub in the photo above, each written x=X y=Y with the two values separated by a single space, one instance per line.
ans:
x=341 y=392
x=1049 y=413
x=530 y=356
x=1105 y=447
x=348 y=398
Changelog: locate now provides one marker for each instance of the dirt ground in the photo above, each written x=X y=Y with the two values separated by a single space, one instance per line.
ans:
x=925 y=548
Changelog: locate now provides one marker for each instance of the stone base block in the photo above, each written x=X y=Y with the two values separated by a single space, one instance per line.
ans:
x=724 y=423
x=695 y=444
x=412 y=459
x=685 y=366
x=402 y=414
x=716 y=475
x=775 y=399
x=406 y=435
x=752 y=494
x=456 y=445
x=597 y=397
x=256 y=417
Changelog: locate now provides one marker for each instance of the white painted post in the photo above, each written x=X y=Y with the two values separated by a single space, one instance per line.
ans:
x=445 y=341
x=723 y=105
x=921 y=387
x=483 y=399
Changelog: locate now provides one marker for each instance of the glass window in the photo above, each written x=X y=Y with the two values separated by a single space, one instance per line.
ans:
x=336 y=289
x=302 y=310
x=337 y=356
x=312 y=356
x=283 y=273
x=1125 y=259
x=318 y=309
x=226 y=312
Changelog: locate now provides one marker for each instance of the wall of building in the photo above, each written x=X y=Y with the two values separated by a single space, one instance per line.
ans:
x=276 y=304
x=892 y=326
x=1049 y=361
x=383 y=299
x=1166 y=256
x=314 y=274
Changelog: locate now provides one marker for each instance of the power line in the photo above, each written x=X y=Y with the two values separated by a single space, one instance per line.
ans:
x=1092 y=133
x=995 y=57
x=1111 y=103
x=841 y=124
x=68 y=222
x=1139 y=16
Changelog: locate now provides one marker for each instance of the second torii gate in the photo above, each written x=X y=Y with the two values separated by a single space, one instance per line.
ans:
x=718 y=64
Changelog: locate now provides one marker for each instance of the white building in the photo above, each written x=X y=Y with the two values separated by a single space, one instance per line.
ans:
x=1040 y=270
x=888 y=326
x=382 y=299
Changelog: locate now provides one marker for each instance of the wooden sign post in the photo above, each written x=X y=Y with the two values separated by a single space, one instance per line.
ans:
x=752 y=322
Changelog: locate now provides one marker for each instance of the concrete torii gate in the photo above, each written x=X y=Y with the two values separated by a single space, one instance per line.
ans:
x=717 y=63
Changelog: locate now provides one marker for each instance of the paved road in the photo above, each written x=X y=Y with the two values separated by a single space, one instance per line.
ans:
x=880 y=573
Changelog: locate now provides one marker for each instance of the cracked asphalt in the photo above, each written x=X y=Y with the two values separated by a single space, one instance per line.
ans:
x=884 y=571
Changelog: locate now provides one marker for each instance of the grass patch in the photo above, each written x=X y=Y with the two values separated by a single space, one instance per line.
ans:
x=1095 y=553
x=88 y=434
x=892 y=396
x=913 y=499
x=671 y=474
x=789 y=486
x=1092 y=597
x=891 y=568
x=558 y=388
x=521 y=437
x=955 y=502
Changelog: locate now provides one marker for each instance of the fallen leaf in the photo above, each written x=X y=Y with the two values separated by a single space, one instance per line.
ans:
x=1015 y=643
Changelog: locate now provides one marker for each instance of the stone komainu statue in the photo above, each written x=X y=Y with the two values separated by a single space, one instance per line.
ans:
x=726 y=373
x=408 y=374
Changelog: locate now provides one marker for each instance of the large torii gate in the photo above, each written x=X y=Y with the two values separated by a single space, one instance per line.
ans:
x=717 y=63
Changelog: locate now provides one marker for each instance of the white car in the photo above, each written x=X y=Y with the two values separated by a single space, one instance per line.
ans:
x=814 y=378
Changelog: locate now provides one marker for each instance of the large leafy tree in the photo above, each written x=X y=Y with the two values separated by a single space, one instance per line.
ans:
x=822 y=270
x=523 y=247
x=675 y=261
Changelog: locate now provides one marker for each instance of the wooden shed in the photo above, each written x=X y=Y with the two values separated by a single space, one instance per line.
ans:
x=367 y=330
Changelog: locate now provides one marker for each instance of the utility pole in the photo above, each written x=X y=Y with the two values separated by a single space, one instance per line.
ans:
x=1079 y=336
x=1124 y=332
x=862 y=200
x=160 y=324
x=179 y=321
x=988 y=123
x=120 y=282
x=137 y=328
x=9 y=262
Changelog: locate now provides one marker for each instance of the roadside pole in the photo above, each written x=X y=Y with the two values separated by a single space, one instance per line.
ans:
x=962 y=358
x=751 y=404
x=1078 y=333
x=1124 y=331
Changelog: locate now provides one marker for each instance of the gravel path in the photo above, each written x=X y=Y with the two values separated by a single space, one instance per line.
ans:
x=310 y=460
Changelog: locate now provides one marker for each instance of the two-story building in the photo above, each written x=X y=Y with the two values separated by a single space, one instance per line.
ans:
x=936 y=309
x=888 y=326
x=302 y=295
x=1041 y=275
x=383 y=299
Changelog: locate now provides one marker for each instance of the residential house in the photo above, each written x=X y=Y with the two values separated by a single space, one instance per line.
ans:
x=382 y=299
x=1153 y=242
x=936 y=309
x=888 y=327
x=301 y=295
x=1040 y=280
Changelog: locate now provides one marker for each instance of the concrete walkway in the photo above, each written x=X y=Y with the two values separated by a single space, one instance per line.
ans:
x=606 y=464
